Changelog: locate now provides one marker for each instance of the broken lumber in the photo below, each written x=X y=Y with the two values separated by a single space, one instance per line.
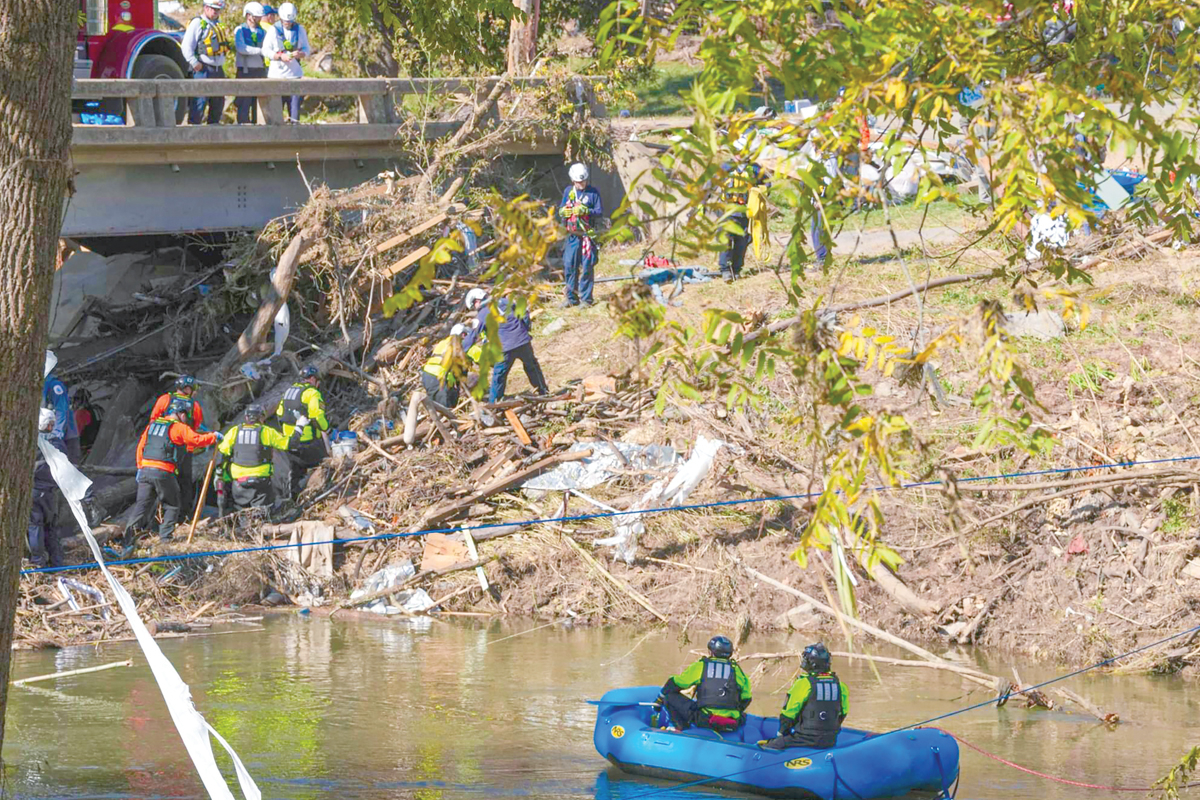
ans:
x=411 y=233
x=70 y=672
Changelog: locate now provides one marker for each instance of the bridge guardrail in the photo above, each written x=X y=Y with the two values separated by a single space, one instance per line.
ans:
x=151 y=103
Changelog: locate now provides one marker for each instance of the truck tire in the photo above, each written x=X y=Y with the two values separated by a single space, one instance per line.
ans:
x=156 y=67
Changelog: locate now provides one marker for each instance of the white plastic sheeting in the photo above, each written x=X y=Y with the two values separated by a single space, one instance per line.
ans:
x=411 y=601
x=663 y=495
x=602 y=466
x=193 y=729
x=1046 y=230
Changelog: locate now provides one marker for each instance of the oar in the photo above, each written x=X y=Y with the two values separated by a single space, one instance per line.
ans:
x=212 y=464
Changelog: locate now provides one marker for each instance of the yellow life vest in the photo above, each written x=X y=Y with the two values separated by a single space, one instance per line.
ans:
x=447 y=360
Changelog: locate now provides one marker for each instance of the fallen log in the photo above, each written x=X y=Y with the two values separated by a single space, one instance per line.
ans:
x=264 y=319
x=445 y=512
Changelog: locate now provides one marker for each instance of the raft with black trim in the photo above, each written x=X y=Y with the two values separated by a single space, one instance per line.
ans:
x=861 y=765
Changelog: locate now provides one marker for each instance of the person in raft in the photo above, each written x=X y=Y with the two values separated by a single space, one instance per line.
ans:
x=722 y=691
x=815 y=707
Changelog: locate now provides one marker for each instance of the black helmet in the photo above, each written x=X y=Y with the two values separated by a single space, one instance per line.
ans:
x=720 y=647
x=816 y=658
x=310 y=372
x=185 y=382
x=254 y=413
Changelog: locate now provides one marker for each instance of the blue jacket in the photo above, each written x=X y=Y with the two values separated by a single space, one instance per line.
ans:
x=54 y=397
x=513 y=330
x=590 y=197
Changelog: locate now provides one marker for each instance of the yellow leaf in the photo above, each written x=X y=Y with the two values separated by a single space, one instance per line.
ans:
x=1085 y=314
x=868 y=331
x=871 y=356
x=889 y=368
x=860 y=349
x=881 y=340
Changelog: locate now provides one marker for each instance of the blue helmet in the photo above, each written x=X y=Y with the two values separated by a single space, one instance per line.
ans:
x=310 y=372
x=185 y=382
x=815 y=658
x=720 y=647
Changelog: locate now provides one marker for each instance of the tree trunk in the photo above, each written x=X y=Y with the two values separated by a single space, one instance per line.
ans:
x=522 y=37
x=37 y=44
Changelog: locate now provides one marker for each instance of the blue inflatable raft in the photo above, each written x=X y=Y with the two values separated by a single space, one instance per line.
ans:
x=862 y=765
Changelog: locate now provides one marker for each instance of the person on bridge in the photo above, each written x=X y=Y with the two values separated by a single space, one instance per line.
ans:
x=722 y=691
x=248 y=40
x=303 y=409
x=516 y=341
x=183 y=400
x=247 y=446
x=287 y=46
x=815 y=706
x=158 y=453
x=65 y=434
x=581 y=209
x=204 y=45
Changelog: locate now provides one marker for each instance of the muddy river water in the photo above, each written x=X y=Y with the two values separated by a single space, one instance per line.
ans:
x=447 y=710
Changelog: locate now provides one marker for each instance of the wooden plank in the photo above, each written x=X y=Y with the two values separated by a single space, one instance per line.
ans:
x=474 y=553
x=407 y=261
x=400 y=239
x=440 y=552
x=515 y=421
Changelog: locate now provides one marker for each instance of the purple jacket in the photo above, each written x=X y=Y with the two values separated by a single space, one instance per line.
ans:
x=513 y=330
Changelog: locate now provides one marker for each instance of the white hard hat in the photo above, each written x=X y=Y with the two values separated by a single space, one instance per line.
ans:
x=287 y=12
x=217 y=4
x=475 y=296
x=45 y=419
x=458 y=330
x=253 y=10
x=579 y=172
x=51 y=360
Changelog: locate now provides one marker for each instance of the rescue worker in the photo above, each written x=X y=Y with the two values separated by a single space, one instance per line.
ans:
x=736 y=195
x=515 y=340
x=286 y=47
x=65 y=433
x=247 y=448
x=270 y=16
x=182 y=399
x=445 y=369
x=204 y=46
x=815 y=707
x=722 y=691
x=43 y=535
x=248 y=41
x=303 y=401
x=581 y=209
x=158 y=453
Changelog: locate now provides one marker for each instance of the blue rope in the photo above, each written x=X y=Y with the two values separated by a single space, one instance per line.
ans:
x=599 y=515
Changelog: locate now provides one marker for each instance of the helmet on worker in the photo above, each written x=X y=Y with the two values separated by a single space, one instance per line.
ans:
x=185 y=382
x=254 y=413
x=253 y=10
x=219 y=5
x=475 y=298
x=579 y=173
x=287 y=12
x=310 y=374
x=720 y=647
x=458 y=330
x=816 y=658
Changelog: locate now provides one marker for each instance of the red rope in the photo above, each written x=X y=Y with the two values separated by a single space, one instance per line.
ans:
x=1008 y=763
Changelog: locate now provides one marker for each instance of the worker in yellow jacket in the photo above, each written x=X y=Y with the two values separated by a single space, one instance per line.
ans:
x=446 y=368
x=303 y=401
x=247 y=446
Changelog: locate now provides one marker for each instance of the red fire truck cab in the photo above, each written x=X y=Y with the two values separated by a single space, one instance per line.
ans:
x=123 y=39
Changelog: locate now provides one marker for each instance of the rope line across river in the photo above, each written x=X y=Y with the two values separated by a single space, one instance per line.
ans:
x=599 y=515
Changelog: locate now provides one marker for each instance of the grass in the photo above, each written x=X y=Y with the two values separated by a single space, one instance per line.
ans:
x=660 y=95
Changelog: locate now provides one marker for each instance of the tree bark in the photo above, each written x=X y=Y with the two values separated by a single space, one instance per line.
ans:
x=37 y=39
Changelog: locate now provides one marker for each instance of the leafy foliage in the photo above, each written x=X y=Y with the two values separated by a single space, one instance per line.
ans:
x=1031 y=103
x=1180 y=775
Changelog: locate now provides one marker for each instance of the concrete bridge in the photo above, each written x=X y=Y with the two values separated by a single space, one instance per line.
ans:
x=153 y=176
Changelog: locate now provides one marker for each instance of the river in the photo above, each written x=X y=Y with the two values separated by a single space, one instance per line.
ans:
x=439 y=710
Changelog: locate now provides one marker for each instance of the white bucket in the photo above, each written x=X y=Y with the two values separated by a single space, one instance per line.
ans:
x=346 y=445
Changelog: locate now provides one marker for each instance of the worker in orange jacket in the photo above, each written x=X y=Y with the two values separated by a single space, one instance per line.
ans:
x=158 y=454
x=183 y=399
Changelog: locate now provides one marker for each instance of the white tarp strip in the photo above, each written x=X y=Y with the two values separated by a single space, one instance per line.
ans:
x=192 y=727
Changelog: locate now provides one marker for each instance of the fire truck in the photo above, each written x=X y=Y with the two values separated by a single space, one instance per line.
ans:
x=124 y=39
